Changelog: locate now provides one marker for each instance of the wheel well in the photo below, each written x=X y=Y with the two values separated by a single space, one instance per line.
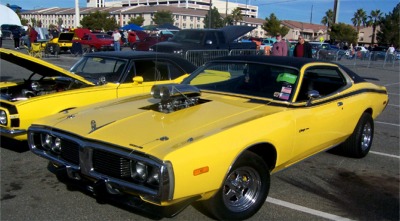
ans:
x=267 y=152
x=369 y=110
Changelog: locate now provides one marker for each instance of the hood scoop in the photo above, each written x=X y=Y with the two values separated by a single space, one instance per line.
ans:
x=174 y=97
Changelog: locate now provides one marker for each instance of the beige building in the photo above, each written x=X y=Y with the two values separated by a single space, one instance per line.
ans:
x=187 y=15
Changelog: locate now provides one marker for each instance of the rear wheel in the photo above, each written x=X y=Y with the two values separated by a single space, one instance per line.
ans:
x=244 y=190
x=359 y=143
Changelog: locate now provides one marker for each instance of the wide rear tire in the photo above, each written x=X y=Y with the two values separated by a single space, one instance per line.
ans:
x=359 y=143
x=243 y=191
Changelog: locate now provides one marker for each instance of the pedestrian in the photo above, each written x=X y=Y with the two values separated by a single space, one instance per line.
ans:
x=132 y=39
x=32 y=36
x=117 y=40
x=279 y=48
x=390 y=52
x=302 y=48
x=16 y=33
x=125 y=37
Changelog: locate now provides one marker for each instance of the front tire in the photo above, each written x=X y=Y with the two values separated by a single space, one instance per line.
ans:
x=244 y=190
x=359 y=143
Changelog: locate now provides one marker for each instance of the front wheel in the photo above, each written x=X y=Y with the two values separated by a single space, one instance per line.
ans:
x=244 y=190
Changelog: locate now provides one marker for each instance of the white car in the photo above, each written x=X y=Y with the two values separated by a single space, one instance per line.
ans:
x=361 y=48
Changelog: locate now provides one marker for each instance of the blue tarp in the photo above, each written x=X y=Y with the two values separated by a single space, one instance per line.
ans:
x=132 y=27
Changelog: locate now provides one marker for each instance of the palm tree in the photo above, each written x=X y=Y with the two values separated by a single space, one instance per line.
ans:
x=360 y=18
x=373 y=20
x=328 y=18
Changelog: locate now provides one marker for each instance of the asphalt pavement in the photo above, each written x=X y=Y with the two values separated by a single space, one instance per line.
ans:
x=323 y=187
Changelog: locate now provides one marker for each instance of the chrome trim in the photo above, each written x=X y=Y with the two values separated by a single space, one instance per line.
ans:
x=12 y=131
x=85 y=167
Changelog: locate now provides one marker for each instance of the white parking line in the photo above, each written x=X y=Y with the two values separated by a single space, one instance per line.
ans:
x=305 y=209
x=385 y=154
x=394 y=105
x=380 y=122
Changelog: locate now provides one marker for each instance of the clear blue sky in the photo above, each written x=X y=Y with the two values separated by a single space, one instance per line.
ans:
x=297 y=10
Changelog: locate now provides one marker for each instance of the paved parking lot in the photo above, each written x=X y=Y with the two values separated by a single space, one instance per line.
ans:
x=324 y=187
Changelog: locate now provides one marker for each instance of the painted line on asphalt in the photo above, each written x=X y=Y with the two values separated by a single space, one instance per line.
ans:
x=385 y=154
x=394 y=105
x=306 y=210
x=380 y=122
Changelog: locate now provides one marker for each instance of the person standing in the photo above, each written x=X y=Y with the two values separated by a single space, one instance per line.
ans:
x=390 y=52
x=16 y=33
x=279 y=48
x=117 y=40
x=302 y=48
x=32 y=36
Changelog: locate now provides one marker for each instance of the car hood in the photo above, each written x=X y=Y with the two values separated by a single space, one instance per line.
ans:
x=38 y=66
x=233 y=32
x=130 y=123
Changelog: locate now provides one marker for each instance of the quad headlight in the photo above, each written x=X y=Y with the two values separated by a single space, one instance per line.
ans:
x=3 y=117
x=52 y=143
x=145 y=173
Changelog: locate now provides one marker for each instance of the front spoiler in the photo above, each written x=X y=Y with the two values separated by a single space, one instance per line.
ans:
x=103 y=193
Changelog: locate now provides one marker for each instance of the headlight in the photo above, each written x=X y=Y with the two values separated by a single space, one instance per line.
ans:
x=154 y=178
x=52 y=143
x=3 y=117
x=139 y=171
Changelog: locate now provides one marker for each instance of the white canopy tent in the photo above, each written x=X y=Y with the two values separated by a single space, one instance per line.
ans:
x=8 y=16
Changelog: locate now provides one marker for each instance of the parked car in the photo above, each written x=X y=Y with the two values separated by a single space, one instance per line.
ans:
x=96 y=77
x=378 y=52
x=213 y=140
x=323 y=51
x=151 y=40
x=92 y=42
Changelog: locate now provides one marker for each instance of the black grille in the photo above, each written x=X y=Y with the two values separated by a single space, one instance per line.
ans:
x=111 y=164
x=70 y=151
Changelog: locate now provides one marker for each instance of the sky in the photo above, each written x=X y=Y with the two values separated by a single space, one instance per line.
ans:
x=296 y=10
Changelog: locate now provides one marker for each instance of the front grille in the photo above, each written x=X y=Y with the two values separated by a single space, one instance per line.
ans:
x=70 y=151
x=111 y=164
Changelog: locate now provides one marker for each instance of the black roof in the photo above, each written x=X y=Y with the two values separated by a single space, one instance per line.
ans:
x=294 y=62
x=185 y=64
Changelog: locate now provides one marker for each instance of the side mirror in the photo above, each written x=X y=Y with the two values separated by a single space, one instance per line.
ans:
x=313 y=94
x=138 y=80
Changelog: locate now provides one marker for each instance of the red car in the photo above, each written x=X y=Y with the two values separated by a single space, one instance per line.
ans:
x=151 y=40
x=97 y=42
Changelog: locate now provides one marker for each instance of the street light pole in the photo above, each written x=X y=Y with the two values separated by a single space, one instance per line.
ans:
x=209 y=15
x=77 y=15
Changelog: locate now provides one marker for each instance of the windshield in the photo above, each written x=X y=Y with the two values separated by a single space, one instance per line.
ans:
x=252 y=79
x=99 y=69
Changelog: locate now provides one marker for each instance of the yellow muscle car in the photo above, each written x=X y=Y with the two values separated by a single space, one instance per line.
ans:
x=49 y=89
x=213 y=140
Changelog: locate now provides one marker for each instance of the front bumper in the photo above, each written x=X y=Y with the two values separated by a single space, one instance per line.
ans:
x=103 y=191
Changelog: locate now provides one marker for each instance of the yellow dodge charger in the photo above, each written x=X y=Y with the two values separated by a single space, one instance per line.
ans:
x=48 y=89
x=213 y=140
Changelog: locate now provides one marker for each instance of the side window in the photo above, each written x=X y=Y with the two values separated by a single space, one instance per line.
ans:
x=221 y=37
x=324 y=80
x=146 y=69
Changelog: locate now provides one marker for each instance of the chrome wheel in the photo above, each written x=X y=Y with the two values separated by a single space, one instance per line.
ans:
x=241 y=189
x=366 y=136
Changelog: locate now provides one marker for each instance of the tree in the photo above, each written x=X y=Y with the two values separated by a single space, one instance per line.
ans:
x=60 y=22
x=237 y=15
x=163 y=17
x=328 y=18
x=24 y=21
x=343 y=33
x=360 y=18
x=389 y=28
x=99 y=21
x=139 y=20
x=273 y=26
x=216 y=19
x=33 y=22
x=373 y=20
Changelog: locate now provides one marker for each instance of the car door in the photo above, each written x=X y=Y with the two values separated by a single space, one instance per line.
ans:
x=326 y=120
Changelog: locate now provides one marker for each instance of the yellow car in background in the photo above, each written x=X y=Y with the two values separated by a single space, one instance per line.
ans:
x=213 y=140
x=49 y=89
